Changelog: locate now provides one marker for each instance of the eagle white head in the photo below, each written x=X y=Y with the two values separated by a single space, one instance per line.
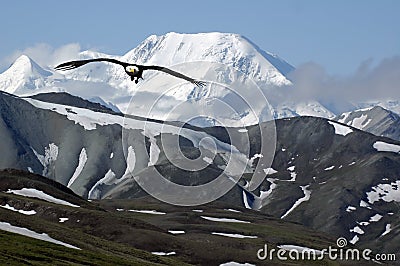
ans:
x=132 y=69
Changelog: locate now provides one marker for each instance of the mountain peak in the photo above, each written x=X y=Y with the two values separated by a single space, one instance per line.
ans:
x=224 y=48
x=24 y=74
x=23 y=59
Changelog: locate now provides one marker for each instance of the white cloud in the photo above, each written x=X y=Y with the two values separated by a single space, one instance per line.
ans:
x=368 y=82
x=44 y=54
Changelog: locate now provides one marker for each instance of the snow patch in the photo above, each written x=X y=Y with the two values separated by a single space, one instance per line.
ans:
x=329 y=168
x=11 y=208
x=108 y=179
x=388 y=228
x=307 y=194
x=130 y=161
x=354 y=239
x=224 y=220
x=376 y=218
x=245 y=200
x=34 y=193
x=164 y=253
x=386 y=147
x=148 y=211
x=208 y=160
x=233 y=263
x=255 y=156
x=340 y=129
x=364 y=204
x=49 y=157
x=270 y=171
x=386 y=192
x=233 y=235
x=272 y=186
x=232 y=210
x=291 y=168
x=78 y=170
x=63 y=219
x=357 y=230
x=176 y=232
x=359 y=122
x=29 y=233
x=350 y=208
x=154 y=151
x=293 y=176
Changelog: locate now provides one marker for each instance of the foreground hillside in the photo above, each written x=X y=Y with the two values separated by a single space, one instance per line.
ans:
x=127 y=232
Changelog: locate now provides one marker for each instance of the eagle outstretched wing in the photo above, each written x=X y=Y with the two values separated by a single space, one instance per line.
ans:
x=75 y=64
x=176 y=74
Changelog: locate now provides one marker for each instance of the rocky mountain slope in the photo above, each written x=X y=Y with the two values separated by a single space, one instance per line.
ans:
x=376 y=120
x=325 y=175
x=337 y=179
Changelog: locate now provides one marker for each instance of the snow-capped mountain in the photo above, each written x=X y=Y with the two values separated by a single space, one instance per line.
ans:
x=24 y=76
x=376 y=120
x=240 y=74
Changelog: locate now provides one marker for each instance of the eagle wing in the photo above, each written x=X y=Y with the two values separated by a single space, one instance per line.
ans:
x=75 y=64
x=174 y=73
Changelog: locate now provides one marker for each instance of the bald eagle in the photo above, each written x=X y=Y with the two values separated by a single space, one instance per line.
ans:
x=133 y=70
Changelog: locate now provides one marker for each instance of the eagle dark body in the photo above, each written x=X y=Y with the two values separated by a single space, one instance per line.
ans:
x=133 y=70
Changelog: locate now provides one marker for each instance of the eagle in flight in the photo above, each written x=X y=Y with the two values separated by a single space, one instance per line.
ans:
x=133 y=70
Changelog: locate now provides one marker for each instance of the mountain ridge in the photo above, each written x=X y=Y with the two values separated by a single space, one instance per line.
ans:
x=376 y=120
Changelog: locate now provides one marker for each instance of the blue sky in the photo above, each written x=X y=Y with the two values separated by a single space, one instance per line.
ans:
x=339 y=35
